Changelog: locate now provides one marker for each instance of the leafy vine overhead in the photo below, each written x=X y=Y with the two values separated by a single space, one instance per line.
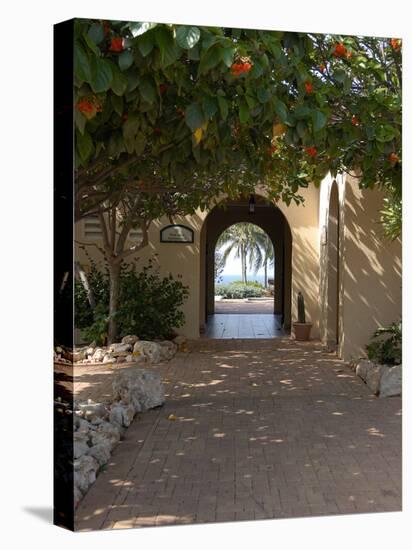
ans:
x=182 y=112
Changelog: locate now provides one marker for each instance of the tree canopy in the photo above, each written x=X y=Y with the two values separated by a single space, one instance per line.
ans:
x=181 y=112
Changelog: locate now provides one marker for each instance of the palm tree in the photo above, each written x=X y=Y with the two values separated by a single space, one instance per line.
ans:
x=262 y=254
x=248 y=242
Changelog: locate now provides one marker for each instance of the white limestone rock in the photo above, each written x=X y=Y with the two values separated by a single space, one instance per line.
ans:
x=80 y=444
x=101 y=452
x=79 y=355
x=81 y=425
x=90 y=351
x=98 y=355
x=92 y=411
x=167 y=350
x=85 y=469
x=119 y=348
x=122 y=414
x=130 y=339
x=109 y=358
x=362 y=368
x=77 y=496
x=180 y=339
x=106 y=433
x=391 y=381
x=136 y=357
x=373 y=378
x=151 y=350
x=142 y=388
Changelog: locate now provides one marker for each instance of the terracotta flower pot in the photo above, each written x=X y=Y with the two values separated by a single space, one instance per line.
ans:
x=302 y=330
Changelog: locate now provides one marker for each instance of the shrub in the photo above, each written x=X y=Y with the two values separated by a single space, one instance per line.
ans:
x=238 y=290
x=249 y=283
x=148 y=304
x=386 y=345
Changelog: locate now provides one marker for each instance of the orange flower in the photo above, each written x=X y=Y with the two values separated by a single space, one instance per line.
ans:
x=340 y=50
x=239 y=68
x=322 y=68
x=311 y=151
x=395 y=43
x=308 y=87
x=393 y=158
x=354 y=121
x=116 y=44
x=85 y=106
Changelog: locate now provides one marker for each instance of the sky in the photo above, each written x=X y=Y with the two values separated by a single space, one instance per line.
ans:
x=233 y=266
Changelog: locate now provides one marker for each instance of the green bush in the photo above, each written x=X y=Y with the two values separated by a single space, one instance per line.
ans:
x=249 y=283
x=386 y=345
x=149 y=304
x=238 y=290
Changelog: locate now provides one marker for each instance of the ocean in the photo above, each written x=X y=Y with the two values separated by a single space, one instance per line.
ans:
x=260 y=278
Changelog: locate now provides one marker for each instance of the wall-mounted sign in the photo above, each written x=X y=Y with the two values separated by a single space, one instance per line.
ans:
x=176 y=234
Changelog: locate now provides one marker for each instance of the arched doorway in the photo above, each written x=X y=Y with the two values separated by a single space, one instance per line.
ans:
x=332 y=317
x=273 y=222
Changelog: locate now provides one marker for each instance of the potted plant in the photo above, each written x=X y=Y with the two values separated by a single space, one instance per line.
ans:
x=301 y=328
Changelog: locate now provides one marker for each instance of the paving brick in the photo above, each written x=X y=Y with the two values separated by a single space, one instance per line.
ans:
x=305 y=440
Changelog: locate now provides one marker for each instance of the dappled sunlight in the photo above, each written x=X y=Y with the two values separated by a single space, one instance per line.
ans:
x=262 y=425
x=375 y=432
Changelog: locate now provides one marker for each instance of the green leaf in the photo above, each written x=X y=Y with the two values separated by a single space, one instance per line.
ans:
x=301 y=128
x=146 y=44
x=187 y=37
x=302 y=111
x=209 y=106
x=148 y=90
x=263 y=94
x=194 y=116
x=132 y=81
x=227 y=56
x=140 y=143
x=96 y=33
x=138 y=29
x=210 y=59
x=169 y=51
x=244 y=114
x=385 y=132
x=223 y=106
x=80 y=120
x=82 y=67
x=319 y=120
x=117 y=102
x=84 y=145
x=92 y=46
x=125 y=60
x=281 y=110
x=119 y=81
x=101 y=75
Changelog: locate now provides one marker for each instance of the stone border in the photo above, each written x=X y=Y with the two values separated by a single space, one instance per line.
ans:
x=98 y=427
x=382 y=380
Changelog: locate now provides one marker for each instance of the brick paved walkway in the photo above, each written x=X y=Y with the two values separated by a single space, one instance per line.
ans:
x=264 y=429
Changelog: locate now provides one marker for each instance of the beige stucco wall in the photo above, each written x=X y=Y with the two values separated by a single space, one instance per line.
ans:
x=369 y=267
x=370 y=273
x=183 y=260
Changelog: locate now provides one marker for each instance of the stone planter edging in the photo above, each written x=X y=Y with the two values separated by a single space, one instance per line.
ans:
x=383 y=380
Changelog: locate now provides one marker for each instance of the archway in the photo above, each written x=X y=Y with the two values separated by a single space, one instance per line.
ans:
x=332 y=318
x=273 y=222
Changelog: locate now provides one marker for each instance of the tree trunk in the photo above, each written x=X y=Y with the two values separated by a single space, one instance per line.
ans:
x=244 y=275
x=114 y=270
x=266 y=272
x=86 y=285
